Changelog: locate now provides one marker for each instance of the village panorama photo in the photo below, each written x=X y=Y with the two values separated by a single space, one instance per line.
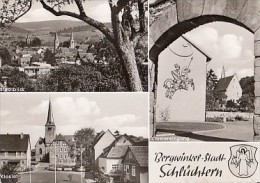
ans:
x=203 y=72
x=73 y=46
x=73 y=137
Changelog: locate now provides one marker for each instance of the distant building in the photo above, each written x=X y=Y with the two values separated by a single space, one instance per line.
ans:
x=15 y=149
x=135 y=164
x=61 y=149
x=59 y=145
x=110 y=161
x=56 y=42
x=72 y=42
x=28 y=40
x=229 y=86
x=36 y=69
x=102 y=141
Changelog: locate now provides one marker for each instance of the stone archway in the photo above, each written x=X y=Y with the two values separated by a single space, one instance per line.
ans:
x=169 y=19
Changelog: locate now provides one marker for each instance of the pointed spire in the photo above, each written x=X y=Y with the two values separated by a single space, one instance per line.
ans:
x=56 y=36
x=72 y=42
x=223 y=73
x=72 y=36
x=56 y=41
x=50 y=119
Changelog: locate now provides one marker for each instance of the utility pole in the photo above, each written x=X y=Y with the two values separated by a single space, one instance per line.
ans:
x=55 y=156
x=81 y=168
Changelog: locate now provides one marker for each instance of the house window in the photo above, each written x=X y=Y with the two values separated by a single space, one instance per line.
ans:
x=60 y=149
x=133 y=170
x=115 y=167
x=65 y=156
x=65 y=149
x=124 y=168
x=130 y=155
x=61 y=156
x=40 y=150
x=127 y=169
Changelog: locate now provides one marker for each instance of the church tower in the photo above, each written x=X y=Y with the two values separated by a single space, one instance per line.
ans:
x=28 y=40
x=50 y=128
x=72 y=42
x=56 y=42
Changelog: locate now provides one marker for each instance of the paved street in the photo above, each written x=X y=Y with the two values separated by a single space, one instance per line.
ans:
x=230 y=131
x=48 y=177
x=41 y=175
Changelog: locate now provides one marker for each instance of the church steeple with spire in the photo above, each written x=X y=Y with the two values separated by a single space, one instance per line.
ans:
x=50 y=128
x=223 y=73
x=72 y=42
x=56 y=42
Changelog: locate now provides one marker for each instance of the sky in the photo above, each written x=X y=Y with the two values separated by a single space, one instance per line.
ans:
x=97 y=9
x=27 y=113
x=228 y=45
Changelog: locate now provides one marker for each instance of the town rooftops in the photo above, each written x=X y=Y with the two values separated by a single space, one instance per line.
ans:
x=117 y=152
x=69 y=139
x=14 y=142
x=141 y=154
x=223 y=83
x=59 y=138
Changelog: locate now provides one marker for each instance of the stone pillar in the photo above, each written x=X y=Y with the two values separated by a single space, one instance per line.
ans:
x=257 y=88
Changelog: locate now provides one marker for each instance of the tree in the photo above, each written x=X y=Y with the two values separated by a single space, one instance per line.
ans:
x=9 y=170
x=246 y=103
x=5 y=55
x=231 y=104
x=12 y=10
x=124 y=33
x=36 y=42
x=49 y=57
x=247 y=85
x=16 y=79
x=211 y=83
x=84 y=139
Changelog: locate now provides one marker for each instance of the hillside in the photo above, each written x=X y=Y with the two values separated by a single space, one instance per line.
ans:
x=16 y=30
x=55 y=25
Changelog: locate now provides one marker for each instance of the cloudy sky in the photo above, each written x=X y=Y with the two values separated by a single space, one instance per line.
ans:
x=227 y=44
x=27 y=113
x=97 y=9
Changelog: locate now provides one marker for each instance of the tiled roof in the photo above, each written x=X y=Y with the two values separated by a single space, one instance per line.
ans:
x=117 y=152
x=141 y=154
x=14 y=142
x=69 y=139
x=98 y=137
x=223 y=83
x=59 y=138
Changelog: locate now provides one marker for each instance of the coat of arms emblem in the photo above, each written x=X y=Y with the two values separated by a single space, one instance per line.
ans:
x=242 y=162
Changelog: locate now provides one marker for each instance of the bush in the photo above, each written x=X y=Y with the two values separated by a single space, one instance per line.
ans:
x=241 y=118
x=230 y=119
x=215 y=119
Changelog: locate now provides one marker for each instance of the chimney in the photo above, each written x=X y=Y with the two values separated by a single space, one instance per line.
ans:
x=21 y=135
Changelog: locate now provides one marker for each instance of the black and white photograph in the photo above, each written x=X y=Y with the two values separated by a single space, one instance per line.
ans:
x=73 y=137
x=203 y=70
x=73 y=46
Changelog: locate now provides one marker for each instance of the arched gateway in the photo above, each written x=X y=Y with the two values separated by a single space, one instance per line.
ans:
x=170 y=19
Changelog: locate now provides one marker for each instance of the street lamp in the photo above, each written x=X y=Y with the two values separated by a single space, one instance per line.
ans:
x=55 y=164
